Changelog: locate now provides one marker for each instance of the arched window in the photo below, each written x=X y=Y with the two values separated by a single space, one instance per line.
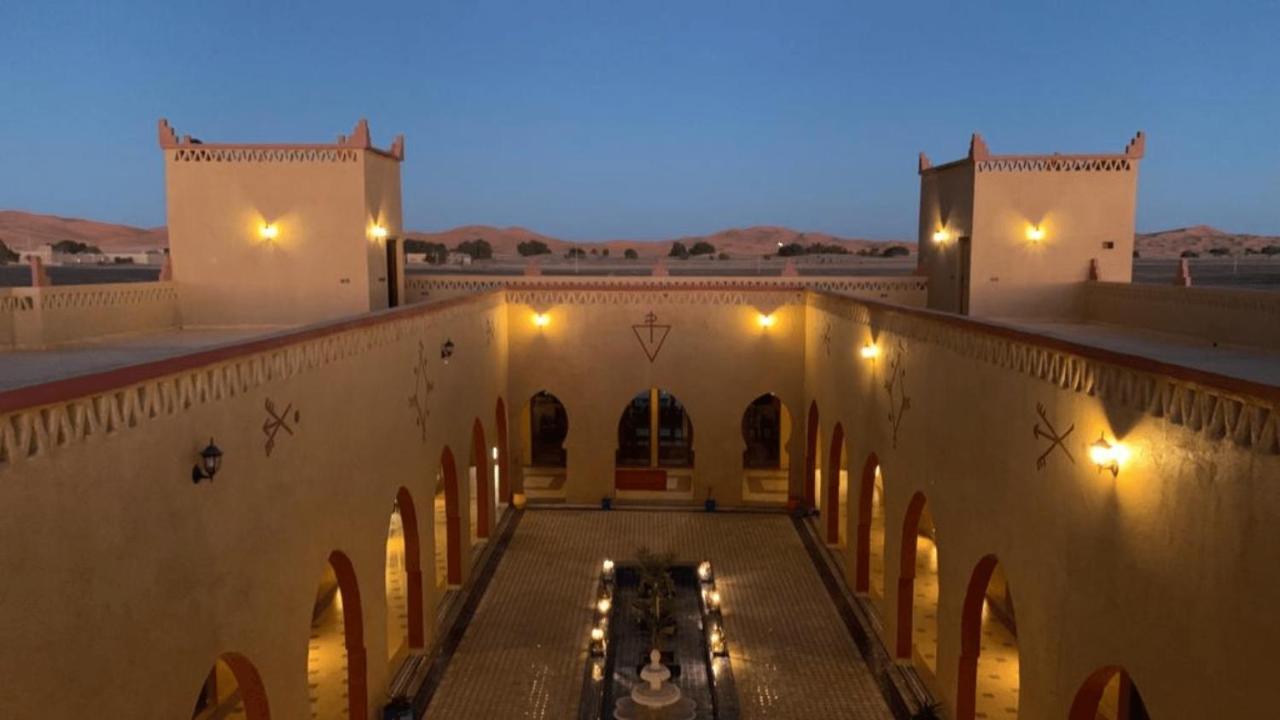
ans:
x=766 y=431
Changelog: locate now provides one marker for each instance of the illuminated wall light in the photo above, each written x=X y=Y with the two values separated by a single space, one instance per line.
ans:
x=766 y=321
x=1108 y=456
x=378 y=232
x=1035 y=233
x=870 y=351
x=606 y=568
x=541 y=319
x=704 y=571
x=940 y=236
x=495 y=452
x=604 y=605
x=268 y=231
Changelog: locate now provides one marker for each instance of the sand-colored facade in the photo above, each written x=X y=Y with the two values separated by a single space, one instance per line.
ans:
x=1163 y=567
x=1013 y=235
x=279 y=235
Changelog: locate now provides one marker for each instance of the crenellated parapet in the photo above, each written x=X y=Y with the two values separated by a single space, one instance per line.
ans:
x=983 y=160
x=189 y=149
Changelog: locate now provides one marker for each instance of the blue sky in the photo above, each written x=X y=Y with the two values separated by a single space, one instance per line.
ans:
x=596 y=120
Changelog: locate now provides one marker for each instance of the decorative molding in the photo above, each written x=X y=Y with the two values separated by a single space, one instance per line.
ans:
x=895 y=388
x=422 y=388
x=1057 y=163
x=36 y=420
x=1219 y=407
x=347 y=148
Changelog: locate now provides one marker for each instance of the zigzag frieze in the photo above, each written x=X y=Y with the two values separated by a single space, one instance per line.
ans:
x=214 y=154
x=641 y=296
x=35 y=432
x=1216 y=413
x=1051 y=163
x=16 y=303
x=107 y=297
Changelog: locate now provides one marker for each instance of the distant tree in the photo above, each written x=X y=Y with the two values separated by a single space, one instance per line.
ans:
x=630 y=254
x=435 y=252
x=724 y=256
x=528 y=248
x=817 y=248
x=1219 y=251
x=702 y=247
x=791 y=250
x=575 y=252
x=595 y=251
x=604 y=252
x=74 y=247
x=678 y=250
x=478 y=249
x=1271 y=250
x=895 y=251
x=1189 y=254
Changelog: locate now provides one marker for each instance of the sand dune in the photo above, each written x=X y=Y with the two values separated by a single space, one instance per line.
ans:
x=23 y=230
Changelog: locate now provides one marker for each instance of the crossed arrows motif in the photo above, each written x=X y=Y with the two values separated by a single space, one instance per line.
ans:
x=1055 y=439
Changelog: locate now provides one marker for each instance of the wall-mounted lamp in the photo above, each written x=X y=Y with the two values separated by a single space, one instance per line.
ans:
x=207 y=467
x=606 y=570
x=495 y=452
x=1035 y=233
x=603 y=605
x=268 y=231
x=541 y=319
x=378 y=232
x=941 y=236
x=1108 y=456
x=597 y=641
x=705 y=573
x=766 y=321
x=870 y=351
x=446 y=351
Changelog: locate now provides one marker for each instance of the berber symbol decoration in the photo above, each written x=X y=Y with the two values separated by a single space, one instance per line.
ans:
x=651 y=335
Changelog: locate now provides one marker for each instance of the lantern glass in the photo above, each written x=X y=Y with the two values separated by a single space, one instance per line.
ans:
x=211 y=459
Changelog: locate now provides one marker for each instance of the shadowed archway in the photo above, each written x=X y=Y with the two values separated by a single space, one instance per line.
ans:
x=987 y=677
x=502 y=468
x=336 y=659
x=812 y=433
x=480 y=483
x=836 y=506
x=232 y=689
x=1109 y=693
x=452 y=535
x=869 y=566
x=917 y=600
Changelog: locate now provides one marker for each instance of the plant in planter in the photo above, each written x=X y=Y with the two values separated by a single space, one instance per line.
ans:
x=652 y=606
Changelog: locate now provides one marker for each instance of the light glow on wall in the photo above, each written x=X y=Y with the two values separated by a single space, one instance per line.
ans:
x=268 y=231
x=1035 y=233
x=1108 y=455
x=541 y=319
x=870 y=351
x=941 y=235
x=378 y=232
x=766 y=321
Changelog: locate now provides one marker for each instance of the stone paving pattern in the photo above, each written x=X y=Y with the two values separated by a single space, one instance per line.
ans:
x=523 y=655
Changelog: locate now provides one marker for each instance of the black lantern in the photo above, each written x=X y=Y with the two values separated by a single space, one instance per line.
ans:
x=210 y=461
x=446 y=351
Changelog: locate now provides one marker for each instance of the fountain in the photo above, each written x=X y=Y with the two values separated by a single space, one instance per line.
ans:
x=657 y=698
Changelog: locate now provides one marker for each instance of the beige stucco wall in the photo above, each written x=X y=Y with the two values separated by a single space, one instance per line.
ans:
x=320 y=266
x=1164 y=570
x=716 y=359
x=124 y=564
x=127 y=567
x=1218 y=315
x=382 y=207
x=946 y=203
x=1078 y=211
x=47 y=316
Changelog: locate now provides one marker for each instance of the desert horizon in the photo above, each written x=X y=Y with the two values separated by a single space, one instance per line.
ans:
x=22 y=230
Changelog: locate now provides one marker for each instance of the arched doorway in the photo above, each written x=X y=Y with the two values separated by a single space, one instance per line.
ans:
x=500 y=465
x=655 y=445
x=232 y=690
x=837 y=503
x=987 y=678
x=766 y=432
x=918 y=588
x=1109 y=694
x=479 y=484
x=403 y=579
x=544 y=425
x=811 y=456
x=447 y=525
x=336 y=661
x=869 y=572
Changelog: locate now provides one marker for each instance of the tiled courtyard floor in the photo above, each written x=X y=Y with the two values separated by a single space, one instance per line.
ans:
x=523 y=655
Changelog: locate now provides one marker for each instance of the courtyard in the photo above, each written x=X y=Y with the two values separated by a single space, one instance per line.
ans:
x=524 y=653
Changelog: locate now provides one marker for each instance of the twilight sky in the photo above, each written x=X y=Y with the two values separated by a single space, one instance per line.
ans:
x=617 y=119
